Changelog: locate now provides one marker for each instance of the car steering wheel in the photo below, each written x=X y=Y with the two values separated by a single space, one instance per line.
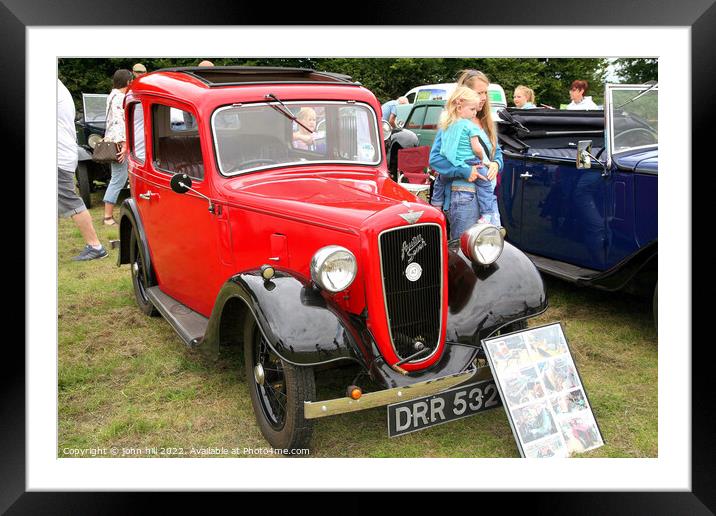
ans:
x=250 y=163
x=651 y=137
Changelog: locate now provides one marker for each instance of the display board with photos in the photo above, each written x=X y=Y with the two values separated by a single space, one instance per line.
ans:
x=542 y=393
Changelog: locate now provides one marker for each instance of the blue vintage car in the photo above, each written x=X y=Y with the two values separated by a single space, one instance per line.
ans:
x=578 y=192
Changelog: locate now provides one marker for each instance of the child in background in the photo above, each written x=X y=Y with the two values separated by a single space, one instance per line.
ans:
x=461 y=146
x=524 y=97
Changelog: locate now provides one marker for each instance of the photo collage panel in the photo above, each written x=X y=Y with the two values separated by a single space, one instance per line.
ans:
x=542 y=393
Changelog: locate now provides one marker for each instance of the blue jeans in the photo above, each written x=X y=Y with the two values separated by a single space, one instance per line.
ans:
x=487 y=201
x=463 y=212
x=118 y=181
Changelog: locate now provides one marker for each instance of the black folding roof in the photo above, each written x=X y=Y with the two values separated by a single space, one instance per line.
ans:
x=215 y=76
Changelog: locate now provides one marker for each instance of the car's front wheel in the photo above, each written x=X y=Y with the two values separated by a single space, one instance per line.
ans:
x=655 y=305
x=83 y=184
x=278 y=390
x=137 y=263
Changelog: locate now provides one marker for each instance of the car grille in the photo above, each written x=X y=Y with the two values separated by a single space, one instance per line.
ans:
x=413 y=308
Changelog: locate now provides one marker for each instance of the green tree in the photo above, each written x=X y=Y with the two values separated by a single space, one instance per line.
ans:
x=387 y=78
x=637 y=70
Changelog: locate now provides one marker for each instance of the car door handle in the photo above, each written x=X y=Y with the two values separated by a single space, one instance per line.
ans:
x=147 y=196
x=526 y=175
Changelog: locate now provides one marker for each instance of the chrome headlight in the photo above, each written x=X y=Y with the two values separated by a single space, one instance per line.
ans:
x=386 y=130
x=333 y=268
x=93 y=140
x=483 y=243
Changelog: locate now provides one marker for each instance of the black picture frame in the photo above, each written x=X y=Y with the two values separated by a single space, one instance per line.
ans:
x=699 y=15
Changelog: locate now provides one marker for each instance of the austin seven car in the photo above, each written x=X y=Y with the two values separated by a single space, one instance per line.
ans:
x=262 y=215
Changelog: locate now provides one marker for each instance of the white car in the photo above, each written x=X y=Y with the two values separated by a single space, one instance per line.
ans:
x=498 y=100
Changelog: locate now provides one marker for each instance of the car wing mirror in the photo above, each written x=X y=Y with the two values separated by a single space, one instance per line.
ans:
x=181 y=184
x=401 y=123
x=584 y=154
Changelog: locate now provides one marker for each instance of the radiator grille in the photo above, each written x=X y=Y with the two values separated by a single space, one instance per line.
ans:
x=412 y=307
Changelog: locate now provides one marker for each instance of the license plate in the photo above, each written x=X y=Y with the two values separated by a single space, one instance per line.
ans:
x=457 y=403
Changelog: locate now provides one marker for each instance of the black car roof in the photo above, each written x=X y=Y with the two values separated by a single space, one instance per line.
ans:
x=215 y=76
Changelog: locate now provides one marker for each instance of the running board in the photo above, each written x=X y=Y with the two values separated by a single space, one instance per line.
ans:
x=190 y=325
x=563 y=270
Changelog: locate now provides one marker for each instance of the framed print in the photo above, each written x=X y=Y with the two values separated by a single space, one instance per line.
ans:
x=26 y=449
x=542 y=393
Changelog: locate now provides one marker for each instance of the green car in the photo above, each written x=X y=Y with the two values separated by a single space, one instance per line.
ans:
x=422 y=119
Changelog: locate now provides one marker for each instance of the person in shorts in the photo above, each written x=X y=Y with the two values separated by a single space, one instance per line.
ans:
x=69 y=204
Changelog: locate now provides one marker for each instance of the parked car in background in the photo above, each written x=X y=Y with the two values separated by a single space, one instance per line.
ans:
x=90 y=124
x=442 y=91
x=418 y=128
x=240 y=233
x=578 y=192
x=417 y=121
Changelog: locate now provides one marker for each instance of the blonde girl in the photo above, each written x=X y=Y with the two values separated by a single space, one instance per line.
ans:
x=464 y=211
x=460 y=142
x=524 y=97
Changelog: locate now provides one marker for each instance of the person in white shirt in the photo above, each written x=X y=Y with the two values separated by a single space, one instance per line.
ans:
x=69 y=204
x=579 y=101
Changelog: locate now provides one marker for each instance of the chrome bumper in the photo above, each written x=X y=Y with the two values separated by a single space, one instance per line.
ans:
x=316 y=409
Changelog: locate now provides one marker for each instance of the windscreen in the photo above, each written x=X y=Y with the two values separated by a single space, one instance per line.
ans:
x=95 y=107
x=635 y=118
x=256 y=136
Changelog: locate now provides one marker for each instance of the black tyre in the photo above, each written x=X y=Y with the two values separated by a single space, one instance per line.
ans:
x=393 y=163
x=139 y=282
x=515 y=326
x=83 y=184
x=278 y=390
x=655 y=306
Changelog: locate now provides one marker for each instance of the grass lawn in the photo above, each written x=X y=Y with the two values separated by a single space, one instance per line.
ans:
x=127 y=381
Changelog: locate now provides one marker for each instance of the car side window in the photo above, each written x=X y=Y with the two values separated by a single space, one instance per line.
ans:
x=416 y=118
x=136 y=127
x=432 y=117
x=176 y=144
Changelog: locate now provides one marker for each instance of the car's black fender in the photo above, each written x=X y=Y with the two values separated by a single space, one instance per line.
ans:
x=129 y=220
x=483 y=299
x=300 y=323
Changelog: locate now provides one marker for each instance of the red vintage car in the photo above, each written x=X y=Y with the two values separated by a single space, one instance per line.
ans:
x=262 y=214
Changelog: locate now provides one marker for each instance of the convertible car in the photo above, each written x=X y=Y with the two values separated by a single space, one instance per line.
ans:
x=578 y=192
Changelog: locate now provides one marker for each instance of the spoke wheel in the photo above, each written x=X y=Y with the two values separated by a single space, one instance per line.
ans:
x=272 y=389
x=139 y=281
x=278 y=390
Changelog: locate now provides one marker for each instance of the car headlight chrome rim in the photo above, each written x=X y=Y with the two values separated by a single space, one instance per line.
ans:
x=483 y=243
x=387 y=130
x=93 y=140
x=334 y=268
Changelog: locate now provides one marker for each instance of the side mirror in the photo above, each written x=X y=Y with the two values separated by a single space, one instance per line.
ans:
x=400 y=123
x=181 y=183
x=584 y=151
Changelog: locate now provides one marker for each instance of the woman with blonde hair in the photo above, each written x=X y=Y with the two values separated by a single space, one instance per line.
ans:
x=461 y=146
x=524 y=97
x=461 y=196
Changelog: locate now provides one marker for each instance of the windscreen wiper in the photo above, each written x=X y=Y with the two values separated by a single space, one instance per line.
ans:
x=654 y=85
x=286 y=112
